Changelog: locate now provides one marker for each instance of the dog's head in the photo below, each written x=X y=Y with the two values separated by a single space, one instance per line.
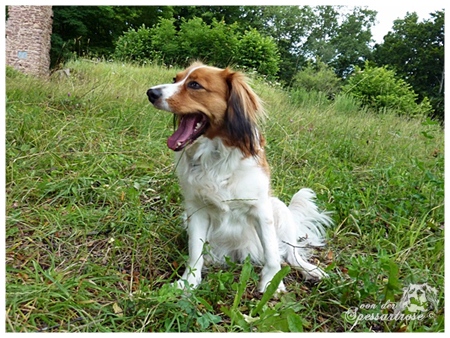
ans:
x=212 y=102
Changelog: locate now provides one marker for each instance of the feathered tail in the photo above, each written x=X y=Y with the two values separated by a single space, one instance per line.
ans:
x=309 y=219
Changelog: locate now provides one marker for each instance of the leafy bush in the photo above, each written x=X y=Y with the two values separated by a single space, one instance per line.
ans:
x=258 y=52
x=193 y=39
x=378 y=88
x=134 y=45
x=219 y=44
x=215 y=43
x=165 y=41
x=223 y=40
x=318 y=77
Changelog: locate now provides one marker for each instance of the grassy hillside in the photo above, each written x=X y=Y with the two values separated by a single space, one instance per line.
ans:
x=93 y=230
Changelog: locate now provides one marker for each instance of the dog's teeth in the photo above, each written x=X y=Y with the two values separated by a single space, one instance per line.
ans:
x=178 y=144
x=198 y=125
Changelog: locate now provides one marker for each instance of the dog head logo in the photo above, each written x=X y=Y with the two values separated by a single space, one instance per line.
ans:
x=418 y=298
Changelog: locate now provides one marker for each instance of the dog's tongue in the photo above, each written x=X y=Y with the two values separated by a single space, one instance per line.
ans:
x=186 y=131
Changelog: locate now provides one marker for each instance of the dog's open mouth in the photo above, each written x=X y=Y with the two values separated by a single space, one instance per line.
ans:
x=190 y=127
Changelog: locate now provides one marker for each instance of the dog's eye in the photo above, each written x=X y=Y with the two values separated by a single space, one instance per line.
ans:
x=194 y=85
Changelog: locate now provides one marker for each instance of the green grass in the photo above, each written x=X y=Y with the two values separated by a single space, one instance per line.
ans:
x=93 y=229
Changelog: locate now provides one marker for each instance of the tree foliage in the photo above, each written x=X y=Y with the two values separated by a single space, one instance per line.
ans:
x=416 y=51
x=287 y=25
x=352 y=41
x=87 y=30
x=300 y=32
x=339 y=37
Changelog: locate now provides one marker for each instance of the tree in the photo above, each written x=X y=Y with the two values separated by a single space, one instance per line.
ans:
x=340 y=39
x=416 y=51
x=149 y=15
x=227 y=14
x=352 y=41
x=338 y=35
x=287 y=26
x=93 y=30
x=87 y=29
x=323 y=29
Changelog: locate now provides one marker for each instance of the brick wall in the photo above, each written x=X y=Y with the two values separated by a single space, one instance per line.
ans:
x=28 y=33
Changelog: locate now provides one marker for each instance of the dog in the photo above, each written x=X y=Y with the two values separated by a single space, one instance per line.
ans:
x=225 y=179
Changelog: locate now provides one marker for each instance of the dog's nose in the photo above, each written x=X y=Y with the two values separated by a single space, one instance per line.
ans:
x=154 y=94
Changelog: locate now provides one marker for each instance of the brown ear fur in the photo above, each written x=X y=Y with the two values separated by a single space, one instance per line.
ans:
x=243 y=113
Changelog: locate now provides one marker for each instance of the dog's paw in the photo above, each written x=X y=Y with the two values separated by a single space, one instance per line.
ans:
x=280 y=290
x=183 y=287
x=262 y=287
x=181 y=284
x=187 y=283
x=315 y=273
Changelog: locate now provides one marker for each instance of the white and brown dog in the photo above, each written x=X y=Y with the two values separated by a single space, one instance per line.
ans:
x=225 y=179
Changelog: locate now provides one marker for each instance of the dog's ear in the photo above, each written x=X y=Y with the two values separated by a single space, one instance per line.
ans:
x=244 y=111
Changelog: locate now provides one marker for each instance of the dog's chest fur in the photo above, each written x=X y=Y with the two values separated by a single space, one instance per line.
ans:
x=214 y=175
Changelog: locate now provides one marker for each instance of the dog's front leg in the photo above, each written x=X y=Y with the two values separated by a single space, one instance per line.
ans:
x=265 y=228
x=197 y=227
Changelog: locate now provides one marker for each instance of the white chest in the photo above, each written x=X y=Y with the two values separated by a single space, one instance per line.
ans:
x=213 y=175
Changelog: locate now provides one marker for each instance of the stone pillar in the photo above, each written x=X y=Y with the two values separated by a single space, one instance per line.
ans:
x=28 y=39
